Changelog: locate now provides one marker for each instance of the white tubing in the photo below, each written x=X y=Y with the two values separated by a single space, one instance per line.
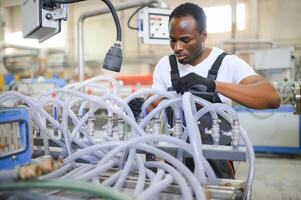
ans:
x=57 y=173
x=150 y=192
x=195 y=137
x=77 y=171
x=158 y=109
x=141 y=176
x=251 y=159
x=194 y=183
x=96 y=172
x=149 y=91
x=183 y=186
x=104 y=156
x=112 y=179
x=158 y=176
x=126 y=169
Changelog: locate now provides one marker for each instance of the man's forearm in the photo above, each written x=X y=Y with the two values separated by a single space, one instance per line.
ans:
x=258 y=95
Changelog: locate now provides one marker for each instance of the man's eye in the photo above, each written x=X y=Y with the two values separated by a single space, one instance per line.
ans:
x=186 y=40
x=172 y=40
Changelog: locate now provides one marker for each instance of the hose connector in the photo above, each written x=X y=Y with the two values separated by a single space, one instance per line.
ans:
x=178 y=128
x=120 y=128
x=156 y=126
x=235 y=134
x=90 y=125
x=109 y=126
x=215 y=132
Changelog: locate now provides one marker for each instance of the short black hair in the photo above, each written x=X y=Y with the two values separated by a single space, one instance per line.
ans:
x=191 y=9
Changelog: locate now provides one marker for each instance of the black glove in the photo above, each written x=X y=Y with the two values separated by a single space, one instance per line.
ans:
x=135 y=105
x=195 y=82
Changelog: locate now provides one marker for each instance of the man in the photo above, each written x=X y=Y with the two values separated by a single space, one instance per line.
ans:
x=232 y=78
x=236 y=80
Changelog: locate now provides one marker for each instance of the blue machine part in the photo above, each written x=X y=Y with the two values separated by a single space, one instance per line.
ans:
x=55 y=81
x=8 y=78
x=272 y=130
x=14 y=137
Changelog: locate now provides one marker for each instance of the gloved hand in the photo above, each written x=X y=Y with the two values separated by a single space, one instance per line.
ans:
x=195 y=82
x=135 y=105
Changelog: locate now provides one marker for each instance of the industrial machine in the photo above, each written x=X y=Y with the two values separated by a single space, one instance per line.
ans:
x=297 y=97
x=41 y=20
x=272 y=130
x=36 y=87
x=123 y=156
x=15 y=145
x=140 y=157
x=276 y=130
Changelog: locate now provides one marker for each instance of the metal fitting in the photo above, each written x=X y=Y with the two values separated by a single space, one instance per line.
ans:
x=156 y=126
x=90 y=125
x=120 y=128
x=235 y=134
x=215 y=132
x=109 y=127
x=178 y=128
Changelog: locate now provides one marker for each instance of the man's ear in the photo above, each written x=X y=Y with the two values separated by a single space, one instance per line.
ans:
x=203 y=35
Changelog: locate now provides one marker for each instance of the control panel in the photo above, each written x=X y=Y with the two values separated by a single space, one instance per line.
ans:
x=153 y=26
x=14 y=137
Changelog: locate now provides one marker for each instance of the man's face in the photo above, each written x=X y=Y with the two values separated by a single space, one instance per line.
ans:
x=186 y=40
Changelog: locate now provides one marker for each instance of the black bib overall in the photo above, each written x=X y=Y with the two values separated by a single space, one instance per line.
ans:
x=222 y=168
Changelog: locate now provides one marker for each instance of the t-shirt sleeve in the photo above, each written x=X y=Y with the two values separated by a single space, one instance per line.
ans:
x=240 y=69
x=158 y=76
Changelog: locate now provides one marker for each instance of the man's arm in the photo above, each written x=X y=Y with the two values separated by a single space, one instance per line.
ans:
x=253 y=92
x=154 y=104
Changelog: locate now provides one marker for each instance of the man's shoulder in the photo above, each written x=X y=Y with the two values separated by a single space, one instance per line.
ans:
x=163 y=62
x=164 y=59
x=229 y=58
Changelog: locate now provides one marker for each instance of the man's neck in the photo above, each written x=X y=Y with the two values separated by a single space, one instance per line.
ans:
x=202 y=57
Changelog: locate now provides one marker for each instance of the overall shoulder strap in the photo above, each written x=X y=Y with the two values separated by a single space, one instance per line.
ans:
x=174 y=71
x=212 y=74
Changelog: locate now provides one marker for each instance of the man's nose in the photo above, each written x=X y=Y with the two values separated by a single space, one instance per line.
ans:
x=178 y=47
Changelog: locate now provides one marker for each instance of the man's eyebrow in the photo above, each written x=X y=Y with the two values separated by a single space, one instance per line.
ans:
x=181 y=38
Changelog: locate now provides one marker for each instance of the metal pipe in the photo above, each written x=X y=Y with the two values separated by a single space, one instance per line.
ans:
x=254 y=14
x=80 y=29
x=247 y=41
x=234 y=19
x=4 y=45
x=234 y=23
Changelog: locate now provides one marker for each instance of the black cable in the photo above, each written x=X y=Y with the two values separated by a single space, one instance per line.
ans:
x=66 y=1
x=116 y=19
x=108 y=3
x=133 y=14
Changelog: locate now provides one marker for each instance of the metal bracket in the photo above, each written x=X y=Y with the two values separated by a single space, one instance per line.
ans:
x=60 y=13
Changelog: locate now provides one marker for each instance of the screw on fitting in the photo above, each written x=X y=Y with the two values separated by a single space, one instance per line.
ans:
x=235 y=134
x=120 y=128
x=90 y=125
x=109 y=126
x=48 y=16
x=156 y=126
x=178 y=128
x=215 y=132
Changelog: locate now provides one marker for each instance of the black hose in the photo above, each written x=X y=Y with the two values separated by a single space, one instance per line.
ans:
x=66 y=1
x=108 y=3
x=133 y=14
x=116 y=19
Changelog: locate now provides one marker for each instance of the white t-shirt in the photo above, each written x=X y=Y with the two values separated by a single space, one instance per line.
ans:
x=232 y=70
